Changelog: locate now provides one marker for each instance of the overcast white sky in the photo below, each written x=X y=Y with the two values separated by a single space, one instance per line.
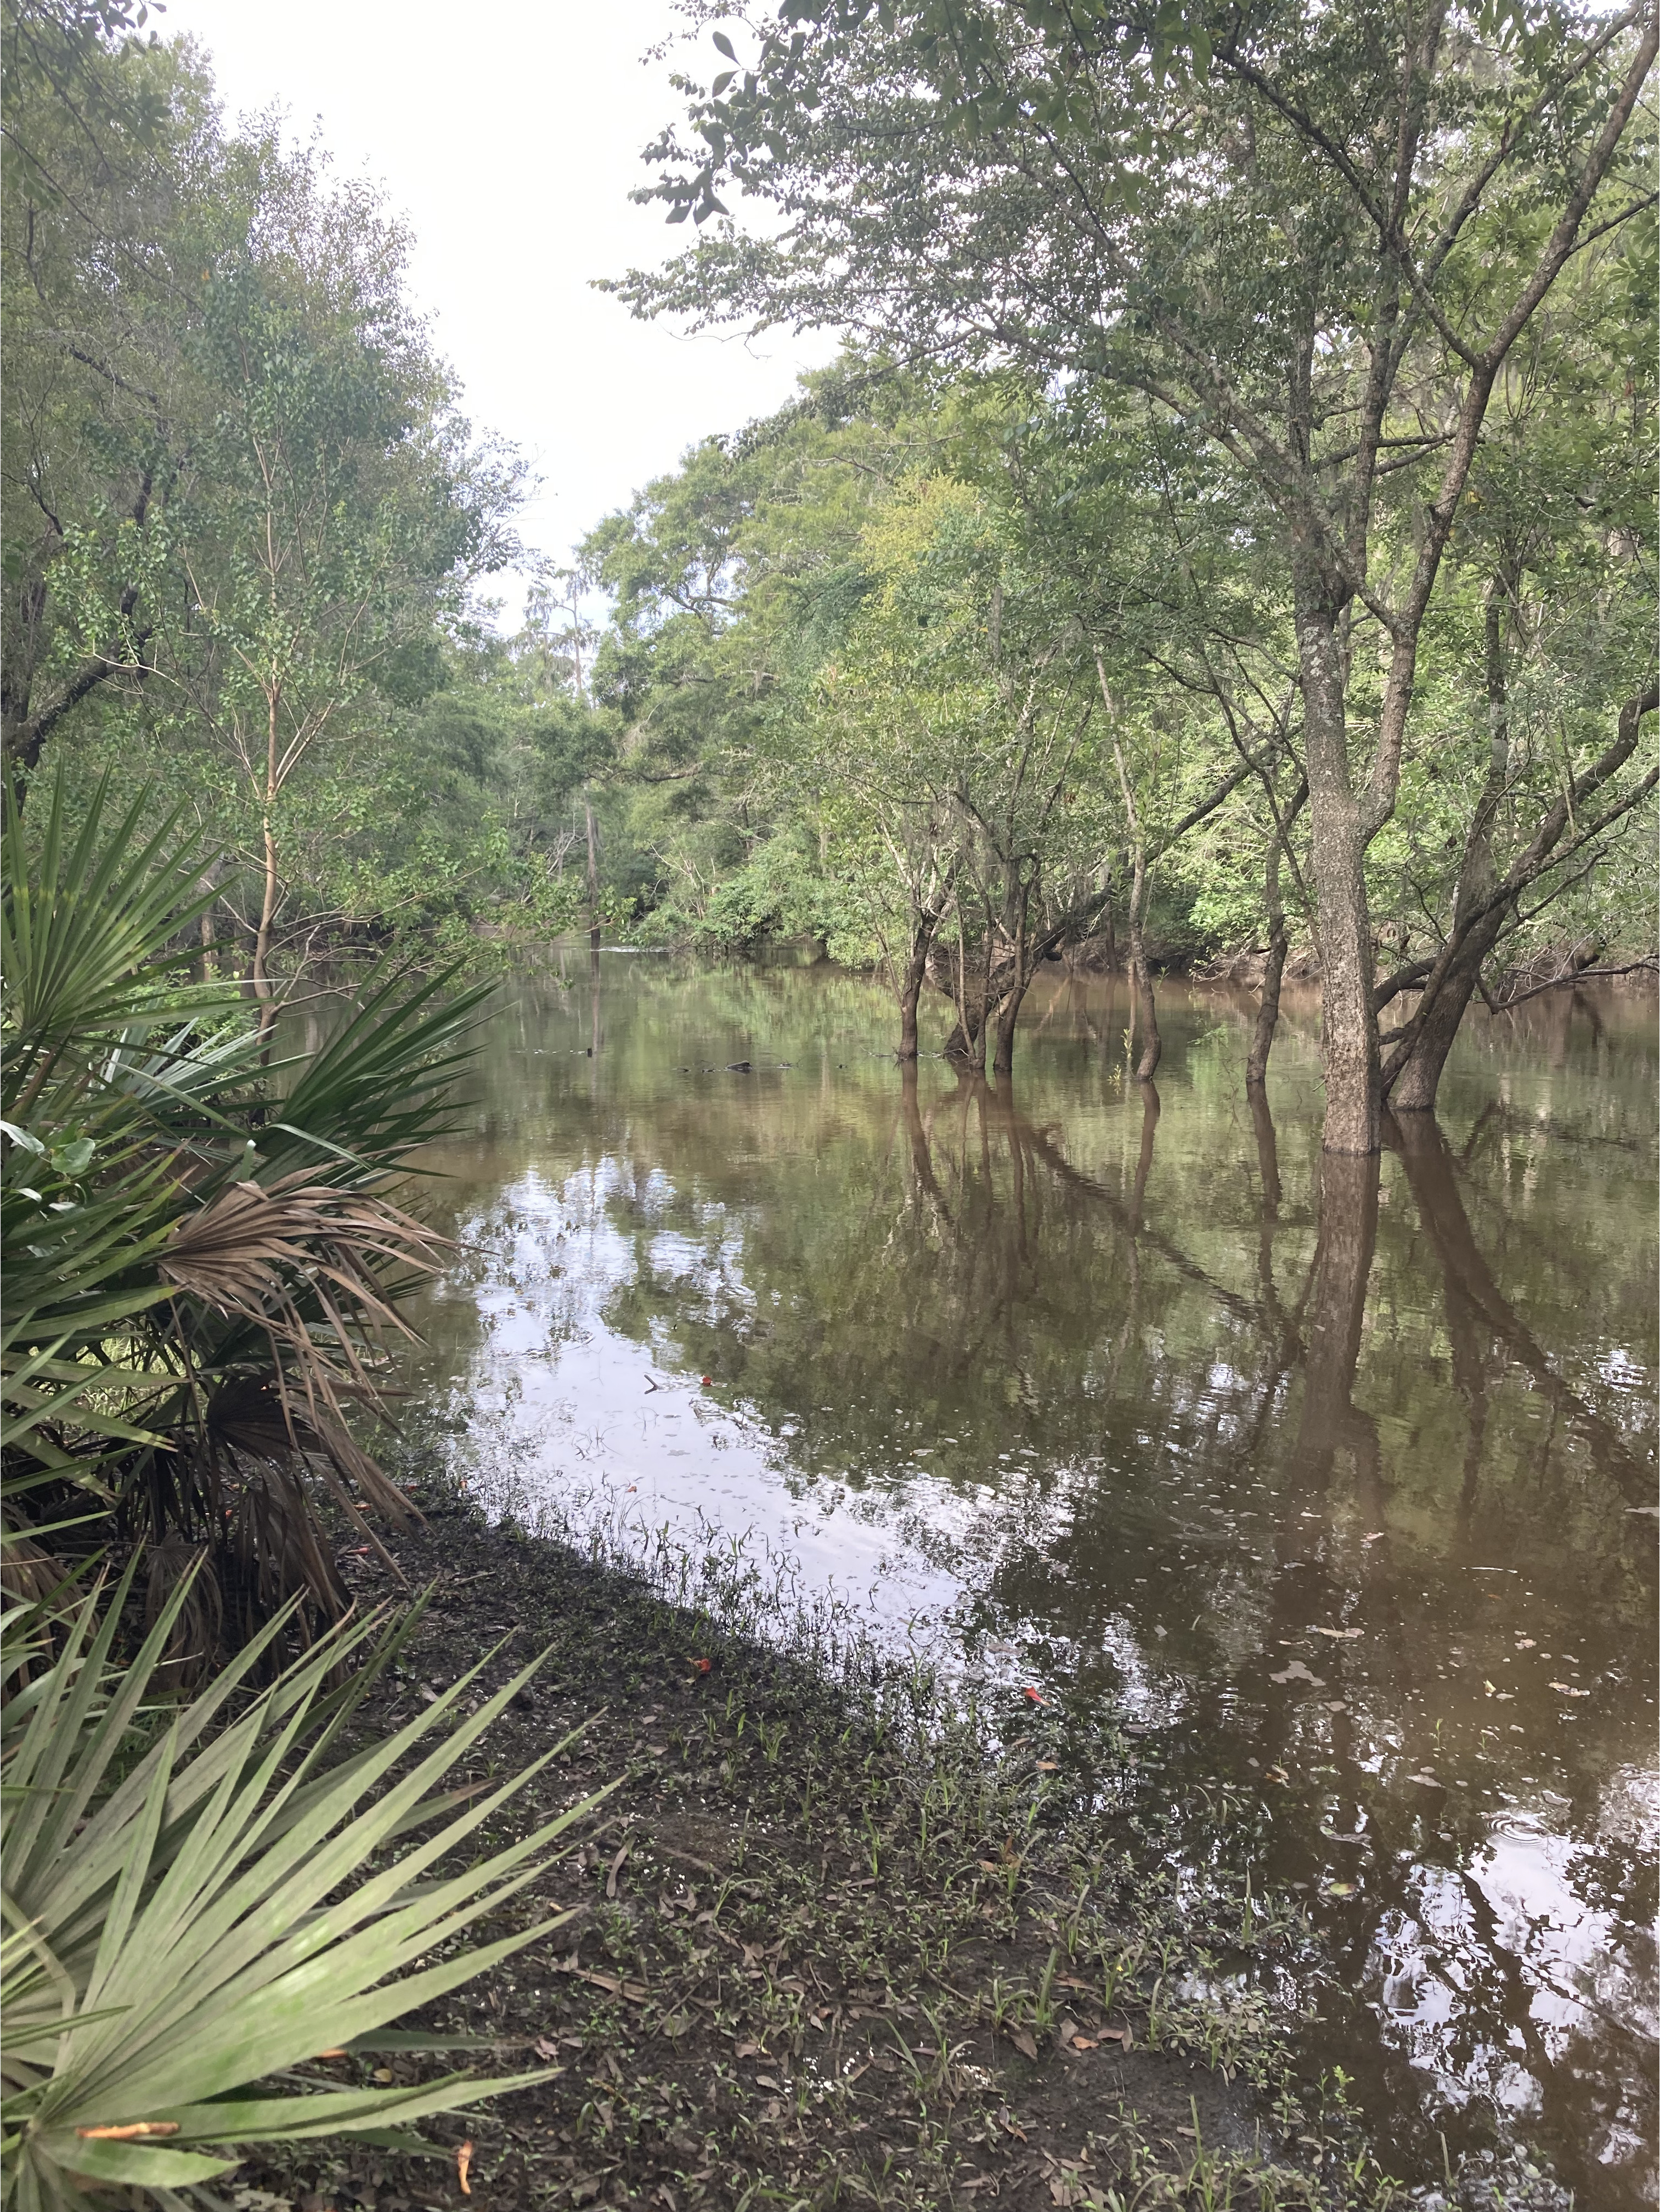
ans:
x=509 y=134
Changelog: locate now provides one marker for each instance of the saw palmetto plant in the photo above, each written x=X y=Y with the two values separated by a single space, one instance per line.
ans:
x=204 y=1254
x=201 y=1900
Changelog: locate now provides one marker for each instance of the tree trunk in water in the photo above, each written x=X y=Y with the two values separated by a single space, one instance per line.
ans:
x=1143 y=1013
x=1267 y=1013
x=1414 y=1089
x=1007 y=1014
x=967 y=1042
x=1146 y=1011
x=1348 y=1027
x=593 y=875
x=910 y=988
x=1008 y=1004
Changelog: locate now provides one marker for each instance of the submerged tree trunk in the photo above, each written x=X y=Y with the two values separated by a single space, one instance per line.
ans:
x=1008 y=1003
x=1414 y=1086
x=1348 y=1025
x=1267 y=1013
x=1145 y=1013
x=926 y=914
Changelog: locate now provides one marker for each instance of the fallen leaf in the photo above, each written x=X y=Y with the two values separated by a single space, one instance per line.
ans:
x=1021 y=2038
x=1276 y=1774
x=1123 y=2035
x=1526 y=1642
x=765 y=2081
x=1341 y=1635
x=131 y=2132
x=701 y=1665
x=1339 y=1889
x=1568 y=1690
x=749 y=2051
x=1430 y=1781
x=616 y=1869
x=382 y=2074
x=463 y=2160
x=339 y=2051
x=1295 y=1671
x=1373 y=1536
x=1081 y=2043
x=544 y=2049
x=1049 y=1766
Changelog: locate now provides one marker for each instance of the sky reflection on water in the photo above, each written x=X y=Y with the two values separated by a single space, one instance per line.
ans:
x=1338 y=1470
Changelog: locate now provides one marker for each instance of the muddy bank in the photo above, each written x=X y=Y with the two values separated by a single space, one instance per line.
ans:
x=830 y=1940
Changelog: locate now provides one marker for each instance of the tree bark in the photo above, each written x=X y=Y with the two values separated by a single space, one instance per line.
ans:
x=1415 y=1088
x=1348 y=1026
x=1481 y=911
x=1267 y=1012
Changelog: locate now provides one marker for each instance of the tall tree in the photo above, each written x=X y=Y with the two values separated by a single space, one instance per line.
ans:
x=1313 y=238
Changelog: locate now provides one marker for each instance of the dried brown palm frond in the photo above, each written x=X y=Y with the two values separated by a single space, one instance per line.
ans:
x=192 y=1602
x=306 y=1264
x=234 y=1253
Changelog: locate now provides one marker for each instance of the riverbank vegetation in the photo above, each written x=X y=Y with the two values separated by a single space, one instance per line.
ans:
x=997 y=646
x=1227 y=536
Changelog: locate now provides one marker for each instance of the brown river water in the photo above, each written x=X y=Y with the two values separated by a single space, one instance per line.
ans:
x=1339 y=1484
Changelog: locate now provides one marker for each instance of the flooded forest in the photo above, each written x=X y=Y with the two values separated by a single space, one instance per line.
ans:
x=828 y=1361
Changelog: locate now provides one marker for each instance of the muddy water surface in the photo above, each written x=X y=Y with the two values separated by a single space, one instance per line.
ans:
x=1341 y=1482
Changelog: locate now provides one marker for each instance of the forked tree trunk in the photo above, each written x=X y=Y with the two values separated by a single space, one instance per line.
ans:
x=1413 y=1091
x=1416 y=1087
x=1008 y=1004
x=1348 y=1026
x=924 y=923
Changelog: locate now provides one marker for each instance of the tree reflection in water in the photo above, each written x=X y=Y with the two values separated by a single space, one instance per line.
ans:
x=1136 y=1378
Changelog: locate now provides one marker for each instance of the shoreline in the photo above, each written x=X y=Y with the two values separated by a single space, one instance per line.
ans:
x=833 y=1939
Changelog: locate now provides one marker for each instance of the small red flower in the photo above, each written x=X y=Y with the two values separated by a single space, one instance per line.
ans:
x=1036 y=1697
x=701 y=1665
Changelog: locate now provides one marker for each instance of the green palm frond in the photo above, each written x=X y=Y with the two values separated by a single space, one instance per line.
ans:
x=176 y=1939
x=203 y=1264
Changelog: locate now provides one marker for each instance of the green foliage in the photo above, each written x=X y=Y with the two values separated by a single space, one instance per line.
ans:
x=188 y=1912
x=202 y=1262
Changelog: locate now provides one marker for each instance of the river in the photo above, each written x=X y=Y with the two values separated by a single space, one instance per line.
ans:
x=1340 y=1485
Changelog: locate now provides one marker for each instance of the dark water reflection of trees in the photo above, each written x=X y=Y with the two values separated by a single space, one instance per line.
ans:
x=1174 y=1399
